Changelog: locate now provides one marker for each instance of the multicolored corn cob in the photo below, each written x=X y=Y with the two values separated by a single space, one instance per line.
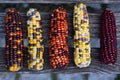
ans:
x=14 y=40
x=58 y=46
x=108 y=42
x=35 y=40
x=82 y=49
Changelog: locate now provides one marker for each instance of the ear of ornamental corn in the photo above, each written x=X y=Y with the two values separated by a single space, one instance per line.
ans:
x=14 y=40
x=82 y=36
x=35 y=40
x=58 y=46
x=108 y=42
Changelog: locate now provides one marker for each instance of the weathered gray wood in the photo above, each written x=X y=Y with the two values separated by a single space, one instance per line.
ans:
x=60 y=1
x=94 y=16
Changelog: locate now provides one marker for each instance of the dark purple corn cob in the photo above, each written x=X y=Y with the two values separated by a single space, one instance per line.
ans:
x=108 y=42
x=14 y=40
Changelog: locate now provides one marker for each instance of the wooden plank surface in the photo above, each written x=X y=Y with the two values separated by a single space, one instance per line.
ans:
x=61 y=1
x=95 y=66
x=94 y=15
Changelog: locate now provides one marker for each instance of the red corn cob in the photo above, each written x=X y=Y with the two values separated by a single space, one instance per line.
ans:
x=58 y=47
x=108 y=40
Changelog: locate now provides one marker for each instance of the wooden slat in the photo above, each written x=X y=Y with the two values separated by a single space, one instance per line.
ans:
x=61 y=1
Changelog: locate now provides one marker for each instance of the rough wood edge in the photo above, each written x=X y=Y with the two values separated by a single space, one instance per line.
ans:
x=61 y=1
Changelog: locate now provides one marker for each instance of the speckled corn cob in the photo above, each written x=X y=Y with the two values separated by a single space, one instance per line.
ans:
x=14 y=40
x=35 y=40
x=108 y=42
x=58 y=46
x=82 y=36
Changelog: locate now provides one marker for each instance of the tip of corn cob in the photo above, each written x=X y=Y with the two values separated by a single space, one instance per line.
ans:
x=14 y=68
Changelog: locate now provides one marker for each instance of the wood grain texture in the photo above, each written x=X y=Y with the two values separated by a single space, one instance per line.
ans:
x=61 y=1
x=94 y=15
x=95 y=66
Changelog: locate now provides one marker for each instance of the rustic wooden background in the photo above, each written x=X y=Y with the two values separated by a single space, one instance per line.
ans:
x=60 y=1
x=95 y=8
